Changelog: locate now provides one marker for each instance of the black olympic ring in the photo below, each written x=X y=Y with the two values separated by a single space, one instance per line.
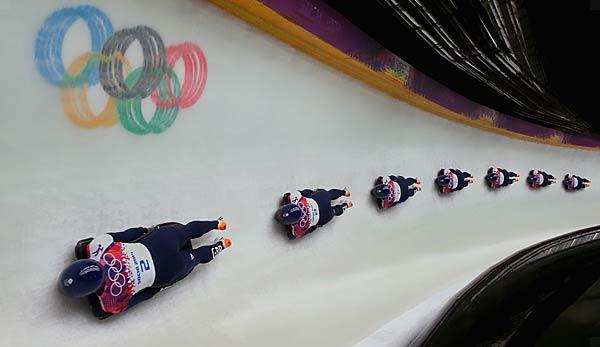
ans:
x=153 y=69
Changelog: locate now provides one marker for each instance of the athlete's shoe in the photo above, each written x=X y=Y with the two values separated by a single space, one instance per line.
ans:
x=347 y=204
x=419 y=188
x=222 y=225
x=347 y=194
x=224 y=240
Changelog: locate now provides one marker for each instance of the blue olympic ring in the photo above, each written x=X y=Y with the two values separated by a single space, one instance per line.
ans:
x=49 y=42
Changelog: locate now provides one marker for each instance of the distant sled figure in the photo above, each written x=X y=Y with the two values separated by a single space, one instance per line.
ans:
x=451 y=180
x=119 y=270
x=392 y=190
x=574 y=182
x=305 y=210
x=497 y=177
x=539 y=179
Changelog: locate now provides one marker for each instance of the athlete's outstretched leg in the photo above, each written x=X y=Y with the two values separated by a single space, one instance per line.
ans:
x=338 y=193
x=464 y=179
x=196 y=229
x=338 y=210
x=187 y=260
x=205 y=254
x=468 y=177
x=410 y=181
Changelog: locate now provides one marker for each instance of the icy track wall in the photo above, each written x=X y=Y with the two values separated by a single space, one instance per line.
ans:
x=269 y=119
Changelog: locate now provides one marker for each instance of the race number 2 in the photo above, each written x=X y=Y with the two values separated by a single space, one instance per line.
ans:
x=144 y=265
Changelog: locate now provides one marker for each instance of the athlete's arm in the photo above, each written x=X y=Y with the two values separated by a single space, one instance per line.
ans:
x=143 y=295
x=129 y=235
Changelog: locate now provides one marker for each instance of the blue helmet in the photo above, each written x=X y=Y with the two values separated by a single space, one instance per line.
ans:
x=492 y=177
x=443 y=180
x=381 y=191
x=289 y=214
x=81 y=278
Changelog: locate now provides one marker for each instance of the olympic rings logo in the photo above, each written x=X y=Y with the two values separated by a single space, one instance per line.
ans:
x=392 y=194
x=114 y=275
x=305 y=220
x=107 y=64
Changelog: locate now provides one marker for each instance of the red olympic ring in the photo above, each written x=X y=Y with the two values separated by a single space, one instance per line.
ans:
x=194 y=79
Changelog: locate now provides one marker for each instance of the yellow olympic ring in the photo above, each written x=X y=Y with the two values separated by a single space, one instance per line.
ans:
x=75 y=101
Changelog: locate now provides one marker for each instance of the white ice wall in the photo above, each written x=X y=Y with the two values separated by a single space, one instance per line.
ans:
x=271 y=119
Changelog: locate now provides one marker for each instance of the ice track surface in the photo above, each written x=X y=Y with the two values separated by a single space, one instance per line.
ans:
x=271 y=119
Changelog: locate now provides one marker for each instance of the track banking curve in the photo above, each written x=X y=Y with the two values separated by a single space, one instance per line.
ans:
x=270 y=119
